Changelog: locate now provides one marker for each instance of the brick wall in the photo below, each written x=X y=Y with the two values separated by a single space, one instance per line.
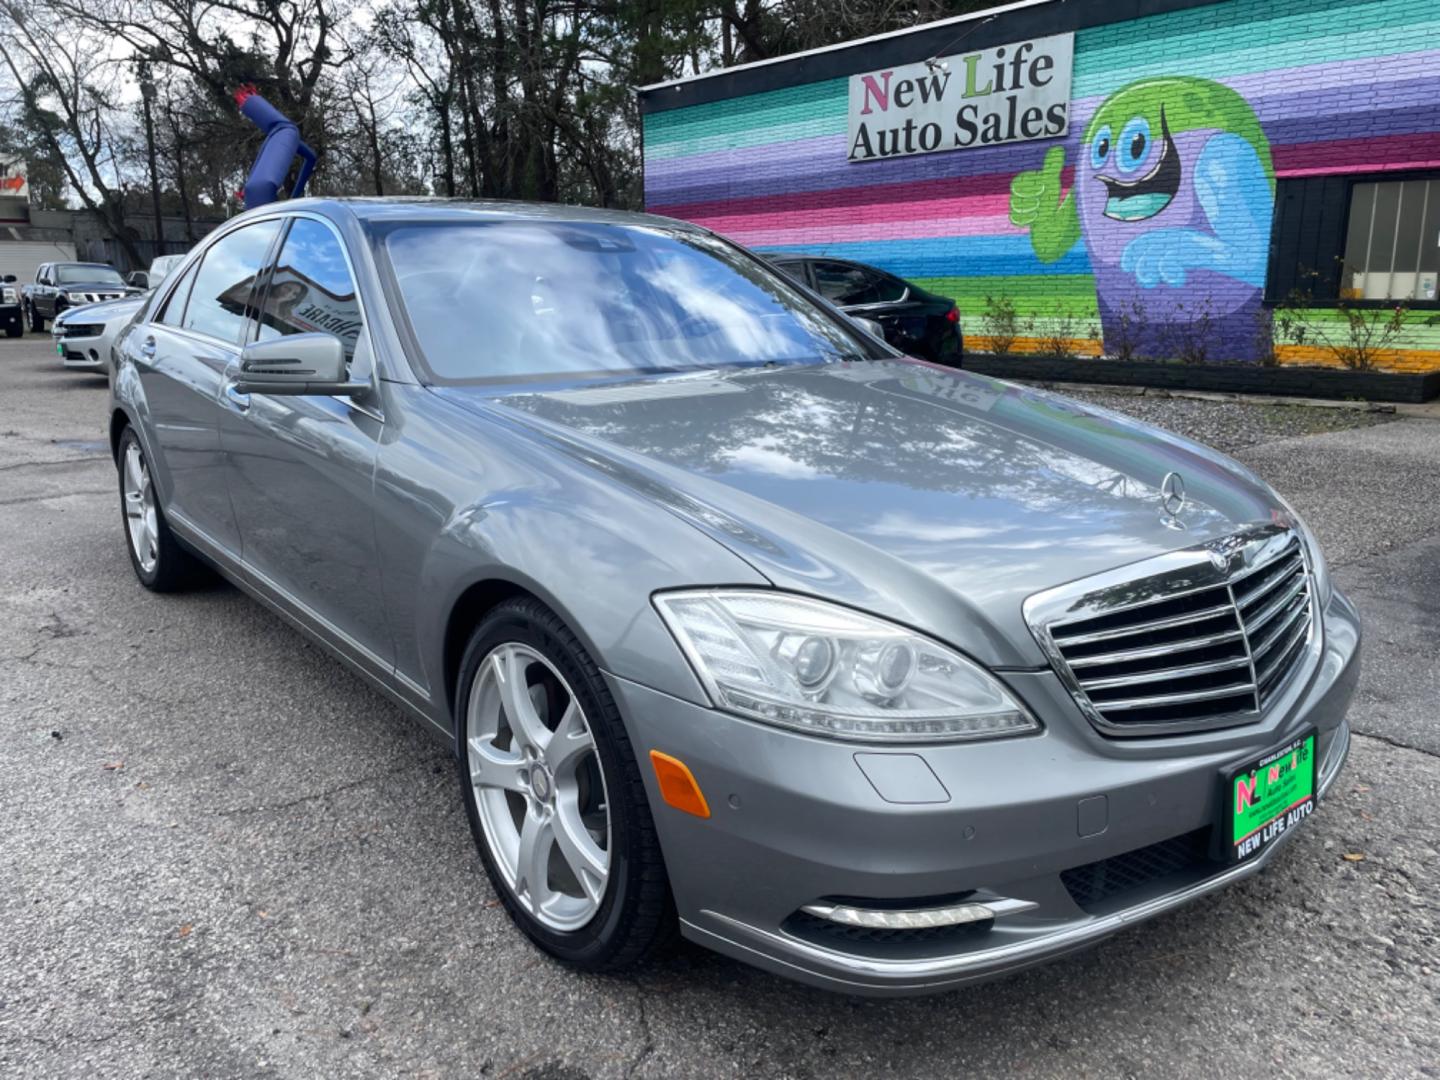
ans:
x=1273 y=90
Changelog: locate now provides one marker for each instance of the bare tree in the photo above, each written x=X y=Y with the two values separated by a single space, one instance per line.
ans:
x=69 y=101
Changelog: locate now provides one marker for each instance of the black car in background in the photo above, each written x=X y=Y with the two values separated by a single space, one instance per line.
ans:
x=10 y=306
x=915 y=321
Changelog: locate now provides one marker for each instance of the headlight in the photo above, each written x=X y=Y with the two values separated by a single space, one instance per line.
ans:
x=8 y=296
x=1318 y=568
x=827 y=670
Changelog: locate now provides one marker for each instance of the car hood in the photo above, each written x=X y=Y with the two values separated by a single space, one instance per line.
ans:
x=935 y=497
x=104 y=311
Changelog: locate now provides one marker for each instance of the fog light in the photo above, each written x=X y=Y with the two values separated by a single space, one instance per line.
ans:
x=917 y=918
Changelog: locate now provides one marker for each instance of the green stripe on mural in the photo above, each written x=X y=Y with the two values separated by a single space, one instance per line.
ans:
x=1244 y=38
x=1039 y=295
x=795 y=104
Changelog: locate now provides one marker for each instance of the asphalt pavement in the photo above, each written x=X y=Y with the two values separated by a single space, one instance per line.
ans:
x=222 y=855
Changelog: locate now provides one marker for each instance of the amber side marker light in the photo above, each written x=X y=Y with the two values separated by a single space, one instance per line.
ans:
x=677 y=785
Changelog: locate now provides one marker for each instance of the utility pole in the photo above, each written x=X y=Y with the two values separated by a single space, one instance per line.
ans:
x=147 y=95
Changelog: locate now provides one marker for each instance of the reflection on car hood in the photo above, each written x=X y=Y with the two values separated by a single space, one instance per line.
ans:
x=104 y=311
x=938 y=498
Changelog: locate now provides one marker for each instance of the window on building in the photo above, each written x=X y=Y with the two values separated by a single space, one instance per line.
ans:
x=1340 y=237
x=1392 y=249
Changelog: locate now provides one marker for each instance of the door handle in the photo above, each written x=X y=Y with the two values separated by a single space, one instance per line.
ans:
x=147 y=349
x=237 y=398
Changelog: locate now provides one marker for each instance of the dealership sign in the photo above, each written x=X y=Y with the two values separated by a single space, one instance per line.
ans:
x=1009 y=93
x=12 y=180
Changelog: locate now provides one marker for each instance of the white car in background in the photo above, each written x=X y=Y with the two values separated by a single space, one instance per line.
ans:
x=83 y=335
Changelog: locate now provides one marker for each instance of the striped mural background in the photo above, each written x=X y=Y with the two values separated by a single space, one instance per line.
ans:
x=1339 y=87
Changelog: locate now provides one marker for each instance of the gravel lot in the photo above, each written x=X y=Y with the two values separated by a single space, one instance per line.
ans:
x=223 y=856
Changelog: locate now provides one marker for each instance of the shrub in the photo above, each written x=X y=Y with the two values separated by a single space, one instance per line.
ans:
x=1357 y=333
x=1001 y=324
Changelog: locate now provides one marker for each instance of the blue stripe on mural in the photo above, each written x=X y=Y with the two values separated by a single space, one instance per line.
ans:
x=961 y=256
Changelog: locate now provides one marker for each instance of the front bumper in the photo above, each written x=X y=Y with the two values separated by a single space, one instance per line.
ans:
x=794 y=820
x=80 y=353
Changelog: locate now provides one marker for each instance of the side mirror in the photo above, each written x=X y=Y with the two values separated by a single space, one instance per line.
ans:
x=295 y=365
x=138 y=279
x=870 y=326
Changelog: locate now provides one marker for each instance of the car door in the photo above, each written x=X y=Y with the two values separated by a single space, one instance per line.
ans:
x=300 y=469
x=181 y=358
x=40 y=298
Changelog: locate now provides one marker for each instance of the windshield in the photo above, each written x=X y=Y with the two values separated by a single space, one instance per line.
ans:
x=75 y=275
x=513 y=300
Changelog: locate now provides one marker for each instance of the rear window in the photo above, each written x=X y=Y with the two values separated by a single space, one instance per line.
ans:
x=525 y=300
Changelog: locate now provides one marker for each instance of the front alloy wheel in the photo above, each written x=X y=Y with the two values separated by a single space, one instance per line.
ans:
x=538 y=787
x=555 y=798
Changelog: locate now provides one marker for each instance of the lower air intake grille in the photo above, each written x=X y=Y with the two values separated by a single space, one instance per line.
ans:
x=1099 y=884
x=1201 y=646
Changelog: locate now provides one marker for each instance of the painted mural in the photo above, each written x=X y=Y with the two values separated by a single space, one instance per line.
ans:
x=1147 y=224
x=1173 y=196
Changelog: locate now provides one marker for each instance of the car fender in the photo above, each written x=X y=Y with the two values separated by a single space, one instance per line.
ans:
x=463 y=500
x=127 y=397
x=597 y=571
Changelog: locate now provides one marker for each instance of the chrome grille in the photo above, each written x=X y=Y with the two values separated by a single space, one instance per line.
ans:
x=1199 y=645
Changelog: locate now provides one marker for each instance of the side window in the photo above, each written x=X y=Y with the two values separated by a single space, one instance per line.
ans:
x=795 y=271
x=220 y=298
x=843 y=284
x=42 y=274
x=888 y=290
x=173 y=313
x=311 y=290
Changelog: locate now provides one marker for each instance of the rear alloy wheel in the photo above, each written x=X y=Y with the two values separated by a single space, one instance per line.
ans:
x=37 y=324
x=554 y=797
x=159 y=561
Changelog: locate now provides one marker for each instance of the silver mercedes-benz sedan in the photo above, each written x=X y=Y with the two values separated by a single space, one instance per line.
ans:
x=872 y=673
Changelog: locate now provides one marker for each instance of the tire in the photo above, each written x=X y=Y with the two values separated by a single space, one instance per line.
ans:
x=37 y=324
x=591 y=926
x=14 y=329
x=159 y=561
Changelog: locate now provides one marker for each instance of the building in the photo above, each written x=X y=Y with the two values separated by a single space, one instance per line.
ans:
x=30 y=235
x=1184 y=179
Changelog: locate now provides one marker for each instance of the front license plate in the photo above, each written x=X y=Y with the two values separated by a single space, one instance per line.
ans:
x=1267 y=797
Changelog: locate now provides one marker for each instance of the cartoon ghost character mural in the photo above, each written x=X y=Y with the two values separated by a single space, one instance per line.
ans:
x=1173 y=195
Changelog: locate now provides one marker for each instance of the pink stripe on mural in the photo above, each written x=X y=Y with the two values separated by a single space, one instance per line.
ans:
x=854 y=199
x=917 y=228
x=876 y=213
x=1358 y=155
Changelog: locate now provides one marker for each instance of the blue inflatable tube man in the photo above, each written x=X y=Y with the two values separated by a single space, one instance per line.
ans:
x=282 y=143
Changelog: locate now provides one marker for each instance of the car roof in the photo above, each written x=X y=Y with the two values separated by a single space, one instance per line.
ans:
x=377 y=209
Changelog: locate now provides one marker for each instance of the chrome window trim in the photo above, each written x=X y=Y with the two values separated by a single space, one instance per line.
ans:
x=1182 y=572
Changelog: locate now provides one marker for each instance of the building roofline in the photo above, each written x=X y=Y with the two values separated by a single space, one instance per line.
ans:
x=983 y=15
x=1019 y=20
